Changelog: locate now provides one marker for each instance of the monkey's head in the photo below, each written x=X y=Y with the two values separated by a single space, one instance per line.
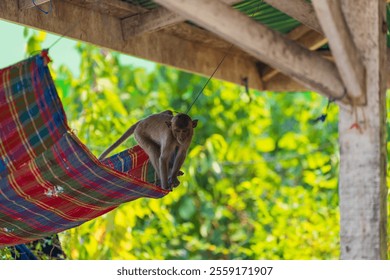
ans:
x=182 y=127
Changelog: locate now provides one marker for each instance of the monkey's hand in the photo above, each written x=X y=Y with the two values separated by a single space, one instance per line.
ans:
x=173 y=182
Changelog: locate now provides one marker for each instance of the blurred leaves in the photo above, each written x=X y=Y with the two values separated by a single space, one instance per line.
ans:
x=260 y=179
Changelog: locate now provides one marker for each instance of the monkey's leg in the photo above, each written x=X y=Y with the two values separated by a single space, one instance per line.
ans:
x=153 y=151
x=164 y=163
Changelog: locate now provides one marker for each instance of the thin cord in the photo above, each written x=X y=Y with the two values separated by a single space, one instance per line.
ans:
x=63 y=35
x=219 y=64
x=43 y=11
x=58 y=39
x=212 y=75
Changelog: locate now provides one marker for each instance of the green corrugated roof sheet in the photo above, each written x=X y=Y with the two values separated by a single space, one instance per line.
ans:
x=261 y=12
x=267 y=15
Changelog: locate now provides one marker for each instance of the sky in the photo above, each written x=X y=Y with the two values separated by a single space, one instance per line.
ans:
x=12 y=49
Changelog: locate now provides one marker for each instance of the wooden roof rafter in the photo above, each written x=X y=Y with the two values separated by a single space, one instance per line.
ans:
x=153 y=20
x=347 y=57
x=305 y=13
x=262 y=43
x=303 y=35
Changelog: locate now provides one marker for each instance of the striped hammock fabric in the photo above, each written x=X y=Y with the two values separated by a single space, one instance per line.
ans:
x=49 y=180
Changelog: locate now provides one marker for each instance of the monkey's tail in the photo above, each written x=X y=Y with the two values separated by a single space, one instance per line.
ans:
x=121 y=139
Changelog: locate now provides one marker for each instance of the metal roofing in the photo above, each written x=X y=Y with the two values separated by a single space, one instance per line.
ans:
x=261 y=12
x=256 y=9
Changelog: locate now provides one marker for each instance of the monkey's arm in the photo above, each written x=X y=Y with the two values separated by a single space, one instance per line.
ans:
x=122 y=139
x=177 y=164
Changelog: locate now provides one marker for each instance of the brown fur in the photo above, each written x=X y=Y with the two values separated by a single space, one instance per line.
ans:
x=159 y=135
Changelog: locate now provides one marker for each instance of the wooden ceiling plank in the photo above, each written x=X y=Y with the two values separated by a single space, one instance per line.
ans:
x=154 y=20
x=121 y=5
x=262 y=43
x=284 y=84
x=298 y=32
x=27 y=4
x=303 y=35
x=149 y=22
x=300 y=10
x=115 y=8
x=347 y=57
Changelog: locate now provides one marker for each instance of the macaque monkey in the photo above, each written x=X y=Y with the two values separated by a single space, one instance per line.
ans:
x=160 y=136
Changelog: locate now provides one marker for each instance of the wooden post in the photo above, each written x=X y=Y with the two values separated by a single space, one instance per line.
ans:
x=362 y=179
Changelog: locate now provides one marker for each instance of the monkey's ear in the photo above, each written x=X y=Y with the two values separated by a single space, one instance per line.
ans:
x=194 y=123
x=169 y=124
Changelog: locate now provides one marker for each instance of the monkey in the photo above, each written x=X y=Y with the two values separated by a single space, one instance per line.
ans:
x=160 y=136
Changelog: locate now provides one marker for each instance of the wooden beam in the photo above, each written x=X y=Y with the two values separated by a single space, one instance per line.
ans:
x=343 y=48
x=303 y=35
x=284 y=83
x=116 y=8
x=362 y=133
x=27 y=4
x=153 y=20
x=149 y=22
x=263 y=43
x=105 y=31
x=300 y=10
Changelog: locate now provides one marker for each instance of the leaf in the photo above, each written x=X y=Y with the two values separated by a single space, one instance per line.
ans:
x=265 y=145
x=187 y=208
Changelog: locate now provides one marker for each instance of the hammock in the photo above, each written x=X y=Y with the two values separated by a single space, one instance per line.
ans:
x=49 y=180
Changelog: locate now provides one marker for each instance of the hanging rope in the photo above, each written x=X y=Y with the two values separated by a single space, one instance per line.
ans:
x=219 y=64
x=209 y=79
x=72 y=27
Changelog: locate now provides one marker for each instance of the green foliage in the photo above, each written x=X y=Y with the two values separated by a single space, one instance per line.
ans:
x=5 y=253
x=260 y=178
x=34 y=41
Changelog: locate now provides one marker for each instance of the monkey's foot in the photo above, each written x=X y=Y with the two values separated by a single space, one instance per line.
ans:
x=173 y=182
